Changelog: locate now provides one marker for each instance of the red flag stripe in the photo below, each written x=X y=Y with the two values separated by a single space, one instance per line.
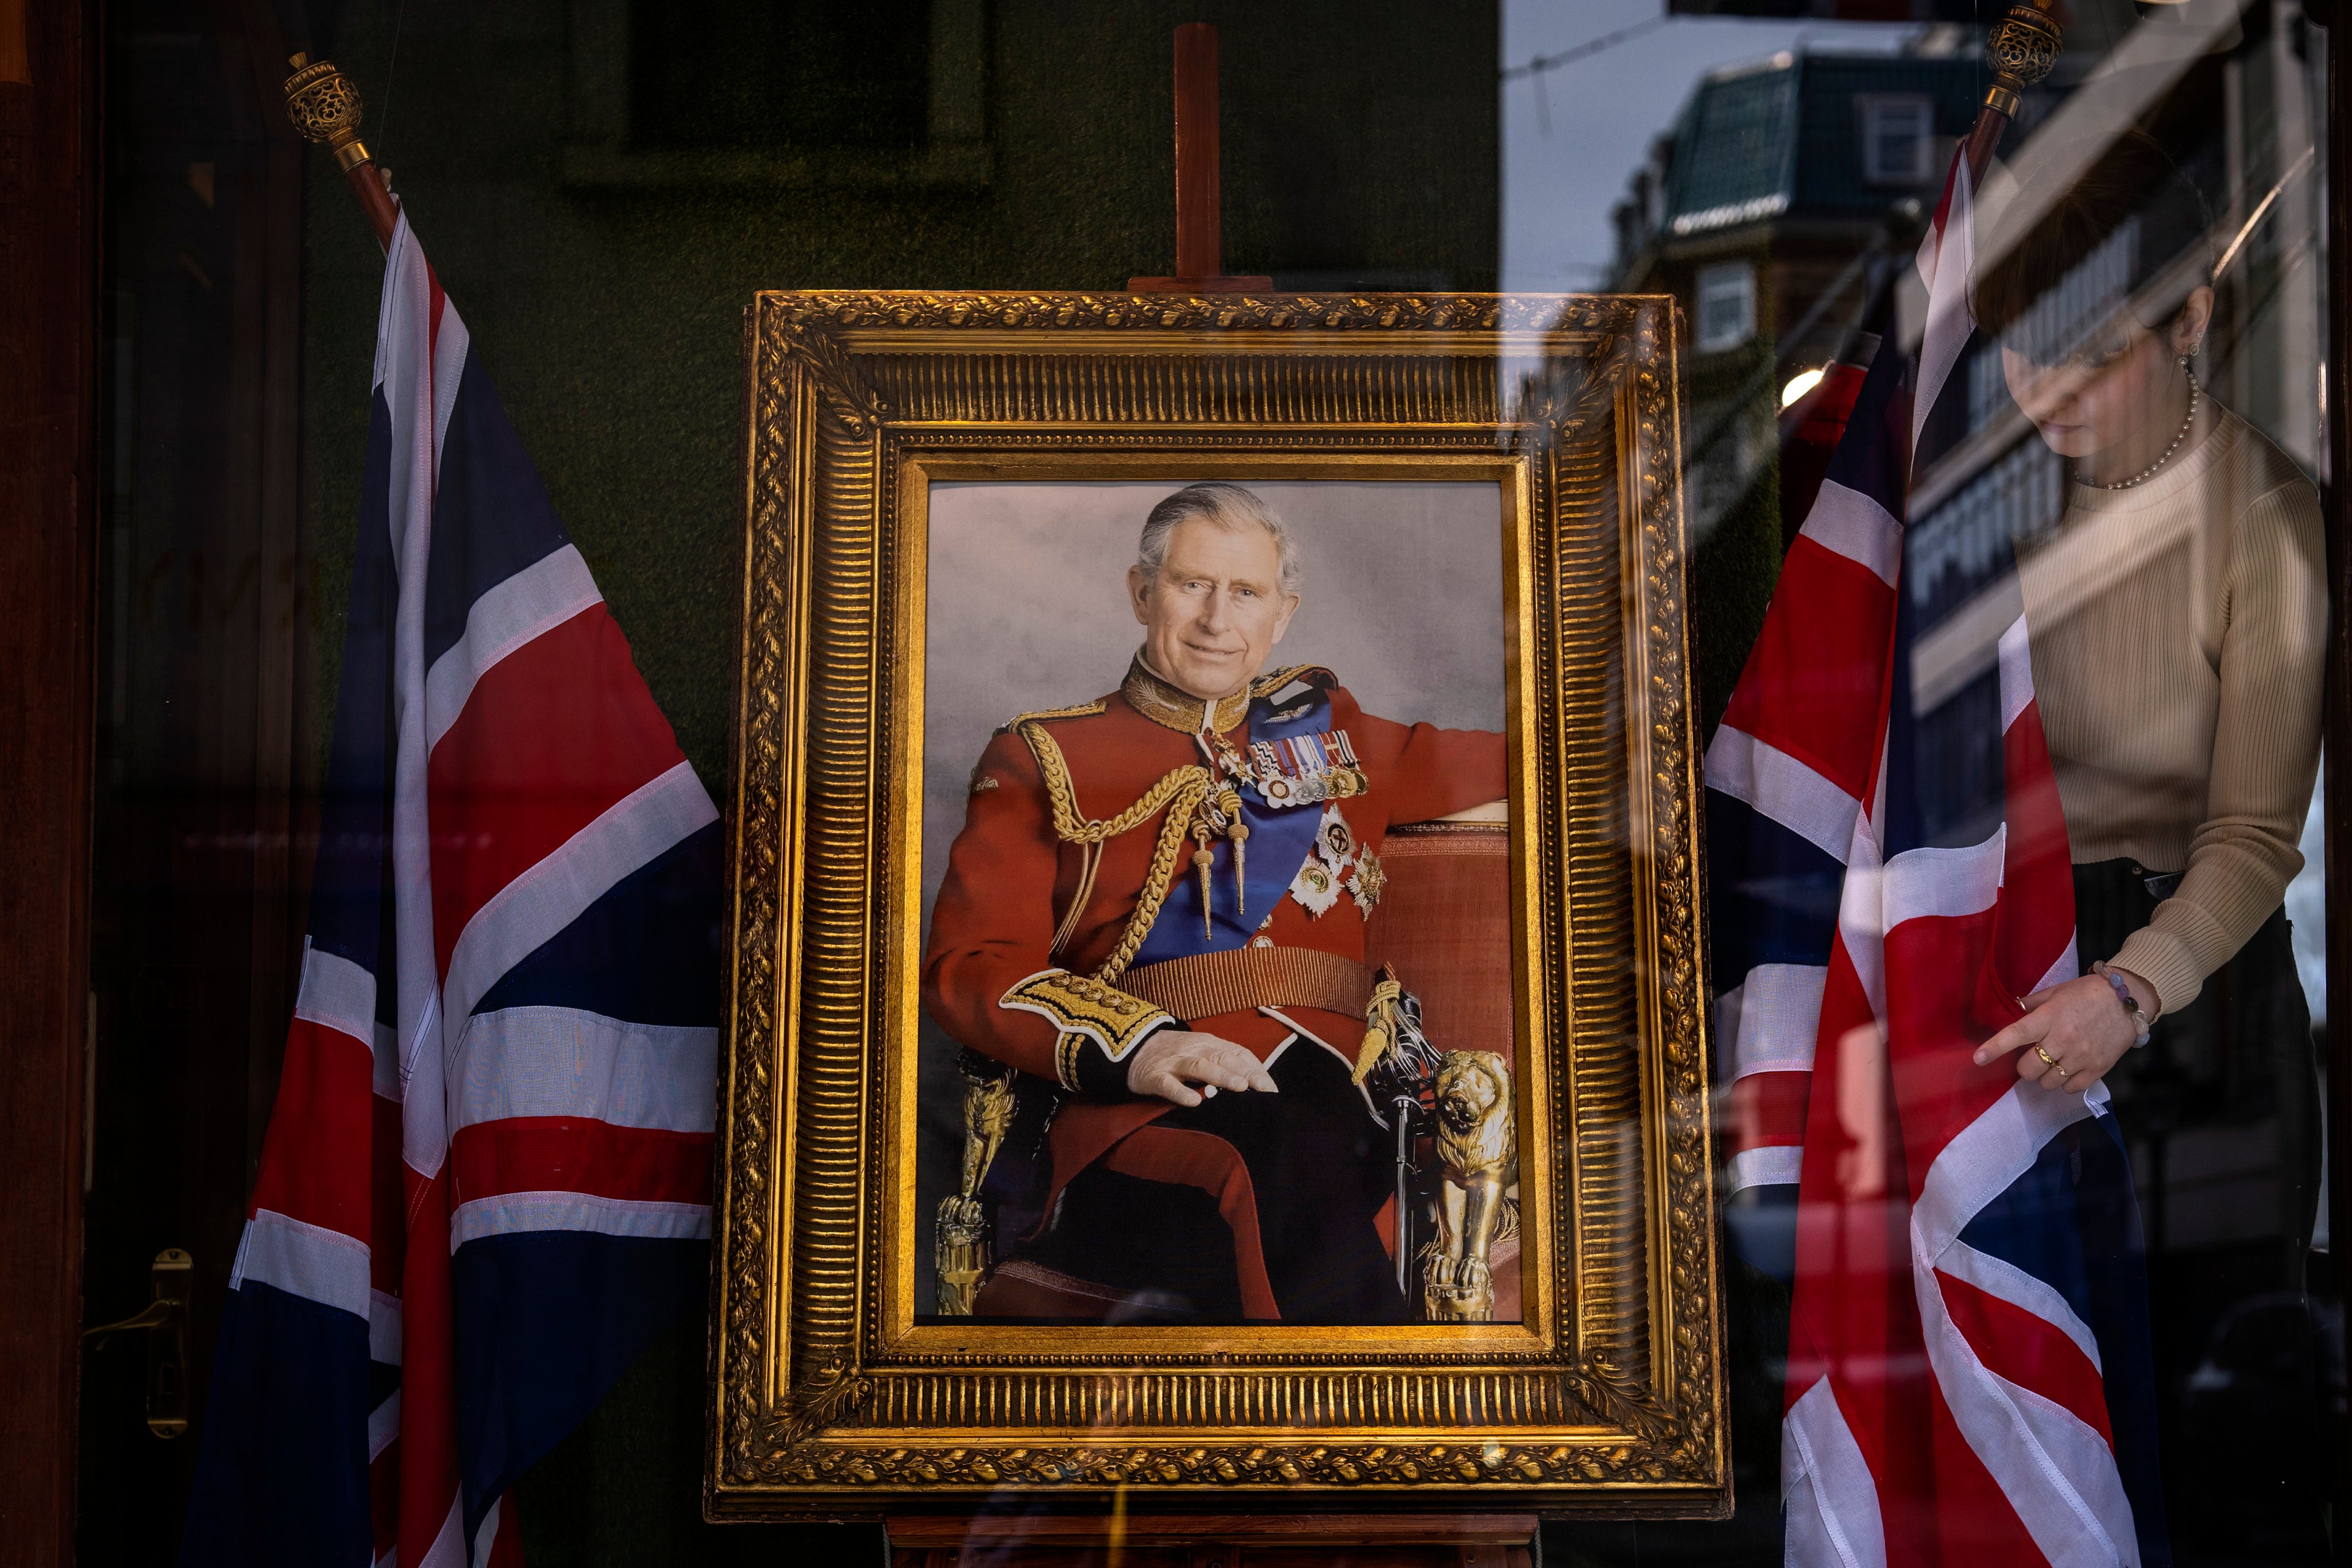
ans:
x=541 y=1154
x=1810 y=674
x=552 y=737
x=314 y=1161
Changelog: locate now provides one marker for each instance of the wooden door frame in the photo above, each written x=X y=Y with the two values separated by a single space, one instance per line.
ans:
x=48 y=458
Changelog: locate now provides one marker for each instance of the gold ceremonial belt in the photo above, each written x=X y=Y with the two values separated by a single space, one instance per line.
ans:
x=1247 y=978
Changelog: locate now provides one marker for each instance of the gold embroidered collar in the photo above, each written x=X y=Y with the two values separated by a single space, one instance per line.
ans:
x=1175 y=709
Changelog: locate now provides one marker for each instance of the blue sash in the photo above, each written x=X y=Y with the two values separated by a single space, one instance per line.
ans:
x=1280 y=839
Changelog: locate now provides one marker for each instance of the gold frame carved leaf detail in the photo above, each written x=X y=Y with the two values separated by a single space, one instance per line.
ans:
x=832 y=1393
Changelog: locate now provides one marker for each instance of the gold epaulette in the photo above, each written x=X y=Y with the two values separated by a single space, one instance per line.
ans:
x=1085 y=1009
x=1274 y=680
x=1075 y=711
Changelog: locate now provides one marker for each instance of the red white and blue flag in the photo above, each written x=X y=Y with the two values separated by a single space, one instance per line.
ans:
x=487 y=1180
x=1968 y=1378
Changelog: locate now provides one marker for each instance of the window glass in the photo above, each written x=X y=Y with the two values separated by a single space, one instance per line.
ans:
x=1895 y=132
x=1727 y=305
x=2007 y=499
x=2113 y=440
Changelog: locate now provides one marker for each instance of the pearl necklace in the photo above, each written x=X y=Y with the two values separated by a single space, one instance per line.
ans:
x=2149 y=472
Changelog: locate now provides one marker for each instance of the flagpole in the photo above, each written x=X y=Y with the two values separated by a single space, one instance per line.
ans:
x=2021 y=48
x=324 y=105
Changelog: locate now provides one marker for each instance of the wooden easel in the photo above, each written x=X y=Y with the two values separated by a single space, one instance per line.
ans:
x=1217 y=1541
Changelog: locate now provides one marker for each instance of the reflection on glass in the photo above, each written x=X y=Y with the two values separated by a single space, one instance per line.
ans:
x=2127 y=453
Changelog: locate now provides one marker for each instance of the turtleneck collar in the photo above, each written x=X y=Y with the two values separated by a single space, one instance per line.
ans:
x=1158 y=699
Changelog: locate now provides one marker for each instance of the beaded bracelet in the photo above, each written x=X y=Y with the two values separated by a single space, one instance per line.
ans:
x=2131 y=1004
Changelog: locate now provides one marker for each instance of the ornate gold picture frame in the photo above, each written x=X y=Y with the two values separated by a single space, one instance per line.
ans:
x=839 y=1386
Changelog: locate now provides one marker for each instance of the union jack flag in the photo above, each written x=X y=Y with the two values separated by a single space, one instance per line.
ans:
x=487 y=1180
x=1968 y=1376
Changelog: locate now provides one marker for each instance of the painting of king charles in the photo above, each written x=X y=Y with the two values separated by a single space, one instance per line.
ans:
x=1155 y=912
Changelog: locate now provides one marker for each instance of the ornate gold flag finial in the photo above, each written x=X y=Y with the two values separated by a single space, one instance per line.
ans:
x=324 y=105
x=2021 y=49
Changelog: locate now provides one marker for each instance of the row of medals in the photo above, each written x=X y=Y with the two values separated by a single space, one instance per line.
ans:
x=1299 y=772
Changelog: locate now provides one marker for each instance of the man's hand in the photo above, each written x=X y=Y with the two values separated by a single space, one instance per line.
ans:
x=2072 y=1033
x=1172 y=1061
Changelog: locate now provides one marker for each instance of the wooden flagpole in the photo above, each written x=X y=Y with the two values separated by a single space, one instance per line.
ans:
x=2021 y=48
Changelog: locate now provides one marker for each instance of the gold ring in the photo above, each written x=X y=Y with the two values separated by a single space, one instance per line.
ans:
x=2046 y=1056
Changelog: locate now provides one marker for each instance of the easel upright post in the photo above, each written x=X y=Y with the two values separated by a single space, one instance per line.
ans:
x=1200 y=218
x=1199 y=196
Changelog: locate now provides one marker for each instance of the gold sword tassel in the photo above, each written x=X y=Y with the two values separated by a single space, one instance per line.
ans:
x=1238 y=833
x=1201 y=859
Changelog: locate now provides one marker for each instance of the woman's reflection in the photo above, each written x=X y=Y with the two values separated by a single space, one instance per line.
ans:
x=2178 y=621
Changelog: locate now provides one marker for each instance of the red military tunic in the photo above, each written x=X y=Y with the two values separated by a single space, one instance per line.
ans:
x=1013 y=874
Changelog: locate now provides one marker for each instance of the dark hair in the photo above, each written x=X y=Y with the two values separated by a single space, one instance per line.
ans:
x=2127 y=222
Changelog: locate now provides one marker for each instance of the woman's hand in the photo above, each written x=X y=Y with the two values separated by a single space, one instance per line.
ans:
x=2070 y=1034
x=1174 y=1061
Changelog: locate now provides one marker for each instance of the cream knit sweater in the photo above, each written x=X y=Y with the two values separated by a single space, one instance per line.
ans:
x=2179 y=631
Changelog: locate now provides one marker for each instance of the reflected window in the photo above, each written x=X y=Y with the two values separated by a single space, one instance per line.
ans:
x=1897 y=138
x=1726 y=306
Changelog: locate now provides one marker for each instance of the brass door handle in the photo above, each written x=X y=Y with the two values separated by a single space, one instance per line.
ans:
x=171 y=1278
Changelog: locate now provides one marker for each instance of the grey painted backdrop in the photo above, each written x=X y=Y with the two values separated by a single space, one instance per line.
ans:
x=1401 y=597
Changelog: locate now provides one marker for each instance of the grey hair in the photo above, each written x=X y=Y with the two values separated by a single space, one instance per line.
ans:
x=1229 y=507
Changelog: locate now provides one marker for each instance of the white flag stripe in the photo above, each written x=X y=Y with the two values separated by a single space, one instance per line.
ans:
x=563 y=1061
x=537 y=599
x=2016 y=673
x=1862 y=913
x=387 y=1064
x=384 y=1426
x=1778 y=786
x=1768 y=1021
x=449 y=1548
x=306 y=1260
x=1944 y=883
x=510 y=1214
x=383 y=1328
x=410 y=395
x=527 y=912
x=1947 y=328
x=2054 y=1471
x=1827 y=1487
x=1847 y=522
x=450 y=344
x=1999 y=1276
x=1773 y=1165
x=487 y=1532
x=337 y=995
x=1985 y=1157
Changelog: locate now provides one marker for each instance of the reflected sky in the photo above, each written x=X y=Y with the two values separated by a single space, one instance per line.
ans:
x=1572 y=136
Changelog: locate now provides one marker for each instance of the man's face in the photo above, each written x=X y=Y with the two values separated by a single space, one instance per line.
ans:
x=1217 y=608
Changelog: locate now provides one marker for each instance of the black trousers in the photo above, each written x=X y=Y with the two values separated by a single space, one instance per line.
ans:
x=2227 y=1087
x=2239 y=1055
x=1320 y=1169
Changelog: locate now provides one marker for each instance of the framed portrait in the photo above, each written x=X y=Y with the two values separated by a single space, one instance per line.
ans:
x=1215 y=931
